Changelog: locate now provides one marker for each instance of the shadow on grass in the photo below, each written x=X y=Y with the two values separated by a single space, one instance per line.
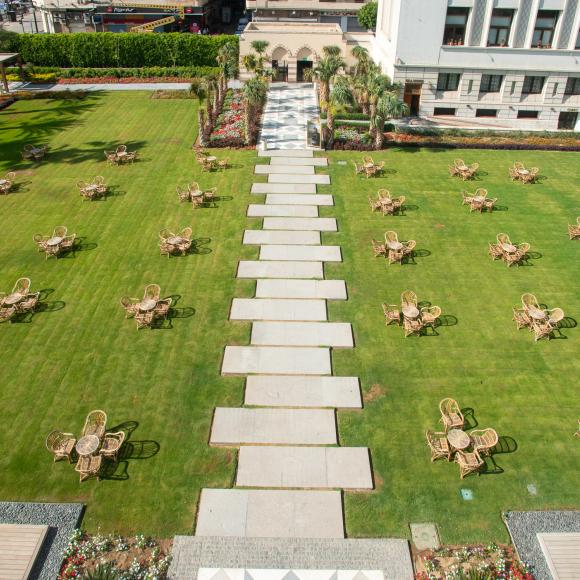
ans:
x=94 y=151
x=469 y=417
x=500 y=208
x=199 y=246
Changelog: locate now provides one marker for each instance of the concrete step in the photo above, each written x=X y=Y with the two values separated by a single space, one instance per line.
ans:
x=298 y=199
x=301 y=253
x=235 y=426
x=289 y=223
x=260 y=237
x=281 y=288
x=286 y=153
x=260 y=210
x=334 y=334
x=284 y=169
x=308 y=467
x=294 y=178
x=277 y=309
x=280 y=269
x=270 y=514
x=315 y=161
x=297 y=188
x=279 y=391
x=256 y=360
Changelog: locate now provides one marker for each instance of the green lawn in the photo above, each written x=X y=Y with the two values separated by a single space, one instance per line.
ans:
x=79 y=353
x=527 y=391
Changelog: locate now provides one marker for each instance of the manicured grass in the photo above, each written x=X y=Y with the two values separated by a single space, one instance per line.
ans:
x=80 y=353
x=526 y=391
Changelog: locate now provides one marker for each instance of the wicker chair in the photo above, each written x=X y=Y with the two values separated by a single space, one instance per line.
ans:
x=130 y=305
x=408 y=297
x=532 y=175
x=121 y=149
x=144 y=319
x=162 y=308
x=68 y=242
x=6 y=313
x=358 y=168
x=183 y=194
x=391 y=236
x=95 y=423
x=412 y=327
x=489 y=203
x=438 y=444
x=484 y=440
x=112 y=444
x=555 y=316
x=521 y=318
x=542 y=329
x=477 y=205
x=89 y=466
x=59 y=231
x=468 y=462
x=166 y=249
x=165 y=233
x=466 y=198
x=408 y=248
x=223 y=163
x=197 y=201
x=111 y=157
x=430 y=315
x=398 y=203
x=513 y=173
x=209 y=195
x=459 y=163
x=472 y=170
x=529 y=300
x=503 y=239
x=396 y=256
x=453 y=171
x=451 y=415
x=495 y=251
x=392 y=314
x=186 y=233
x=152 y=292
x=61 y=445
x=384 y=194
x=481 y=192
x=21 y=286
x=379 y=248
x=375 y=204
x=28 y=304
x=574 y=230
x=40 y=241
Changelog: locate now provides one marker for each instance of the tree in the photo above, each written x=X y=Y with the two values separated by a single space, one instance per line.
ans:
x=255 y=92
x=331 y=50
x=376 y=85
x=367 y=15
x=339 y=95
x=388 y=107
x=363 y=60
x=227 y=59
x=325 y=70
x=254 y=62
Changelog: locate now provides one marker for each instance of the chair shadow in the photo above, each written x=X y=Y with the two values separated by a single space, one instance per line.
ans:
x=421 y=253
x=490 y=466
x=175 y=298
x=447 y=320
x=186 y=312
x=469 y=416
x=113 y=191
x=505 y=444
x=224 y=197
x=500 y=208
x=411 y=207
x=83 y=246
x=144 y=449
x=127 y=427
x=568 y=322
x=198 y=246
x=50 y=306
x=534 y=256
x=19 y=187
x=45 y=293
x=114 y=471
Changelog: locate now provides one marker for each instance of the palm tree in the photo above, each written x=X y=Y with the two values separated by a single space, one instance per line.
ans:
x=255 y=91
x=199 y=90
x=260 y=47
x=376 y=85
x=331 y=50
x=388 y=106
x=339 y=95
x=227 y=59
x=363 y=60
x=325 y=70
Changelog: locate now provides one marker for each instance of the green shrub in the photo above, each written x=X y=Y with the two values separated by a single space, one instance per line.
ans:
x=109 y=49
x=367 y=16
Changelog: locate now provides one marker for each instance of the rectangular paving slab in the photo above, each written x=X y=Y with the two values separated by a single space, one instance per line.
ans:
x=260 y=237
x=270 y=514
x=280 y=391
x=257 y=269
x=294 y=178
x=297 y=188
x=260 y=210
x=277 y=309
x=288 y=223
x=284 y=169
x=235 y=426
x=329 y=289
x=286 y=153
x=336 y=334
x=252 y=360
x=298 y=199
x=301 y=253
x=315 y=161
x=310 y=467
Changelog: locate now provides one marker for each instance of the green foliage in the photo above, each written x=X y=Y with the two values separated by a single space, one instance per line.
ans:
x=101 y=572
x=367 y=15
x=108 y=49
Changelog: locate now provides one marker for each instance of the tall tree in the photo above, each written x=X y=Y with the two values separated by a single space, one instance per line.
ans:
x=255 y=92
x=227 y=59
x=388 y=106
x=339 y=95
x=331 y=50
x=325 y=70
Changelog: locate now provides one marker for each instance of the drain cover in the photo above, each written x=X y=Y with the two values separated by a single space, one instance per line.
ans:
x=532 y=490
x=467 y=494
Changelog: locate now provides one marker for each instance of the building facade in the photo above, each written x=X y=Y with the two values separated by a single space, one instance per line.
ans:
x=341 y=12
x=503 y=63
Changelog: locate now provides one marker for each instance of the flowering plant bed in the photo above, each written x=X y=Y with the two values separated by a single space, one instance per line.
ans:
x=229 y=129
x=491 y=562
x=137 y=558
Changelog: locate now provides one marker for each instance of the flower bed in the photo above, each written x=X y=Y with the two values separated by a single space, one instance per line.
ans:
x=229 y=129
x=491 y=562
x=137 y=558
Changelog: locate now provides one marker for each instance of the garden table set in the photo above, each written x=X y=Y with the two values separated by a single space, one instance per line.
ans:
x=541 y=321
x=120 y=155
x=94 y=445
x=385 y=203
x=94 y=189
x=147 y=310
x=197 y=196
x=414 y=319
x=34 y=152
x=369 y=167
x=393 y=249
x=574 y=229
x=468 y=448
x=478 y=201
x=7 y=182
x=19 y=301
x=507 y=251
x=210 y=162
x=56 y=244
x=175 y=243
x=462 y=170
x=519 y=173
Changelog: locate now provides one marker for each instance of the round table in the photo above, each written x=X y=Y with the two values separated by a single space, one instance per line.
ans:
x=458 y=439
x=87 y=445
x=196 y=193
x=523 y=172
x=509 y=248
x=3 y=181
x=54 y=241
x=462 y=167
x=91 y=187
x=121 y=153
x=211 y=158
x=13 y=298
x=410 y=311
x=394 y=245
x=536 y=314
x=174 y=240
x=479 y=199
x=147 y=304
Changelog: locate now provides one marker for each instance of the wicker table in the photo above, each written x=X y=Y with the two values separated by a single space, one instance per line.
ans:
x=147 y=305
x=536 y=314
x=54 y=241
x=410 y=311
x=458 y=439
x=394 y=246
x=13 y=298
x=174 y=240
x=87 y=445
x=509 y=248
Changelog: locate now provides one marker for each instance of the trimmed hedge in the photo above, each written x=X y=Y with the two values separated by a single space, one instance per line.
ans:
x=109 y=49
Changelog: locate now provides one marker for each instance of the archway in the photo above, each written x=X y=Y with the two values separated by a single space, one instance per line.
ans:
x=304 y=60
x=280 y=57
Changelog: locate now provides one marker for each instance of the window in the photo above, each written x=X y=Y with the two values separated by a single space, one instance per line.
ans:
x=448 y=81
x=443 y=111
x=455 y=25
x=544 y=30
x=486 y=112
x=533 y=85
x=500 y=27
x=572 y=86
x=490 y=83
x=527 y=114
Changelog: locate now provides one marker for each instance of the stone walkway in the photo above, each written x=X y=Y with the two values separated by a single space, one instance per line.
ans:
x=287 y=112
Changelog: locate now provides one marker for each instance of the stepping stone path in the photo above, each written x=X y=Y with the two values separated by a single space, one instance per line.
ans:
x=288 y=437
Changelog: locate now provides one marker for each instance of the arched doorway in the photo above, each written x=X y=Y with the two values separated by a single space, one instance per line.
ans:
x=280 y=64
x=304 y=61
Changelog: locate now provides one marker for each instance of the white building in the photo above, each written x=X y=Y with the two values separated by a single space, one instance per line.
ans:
x=511 y=63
